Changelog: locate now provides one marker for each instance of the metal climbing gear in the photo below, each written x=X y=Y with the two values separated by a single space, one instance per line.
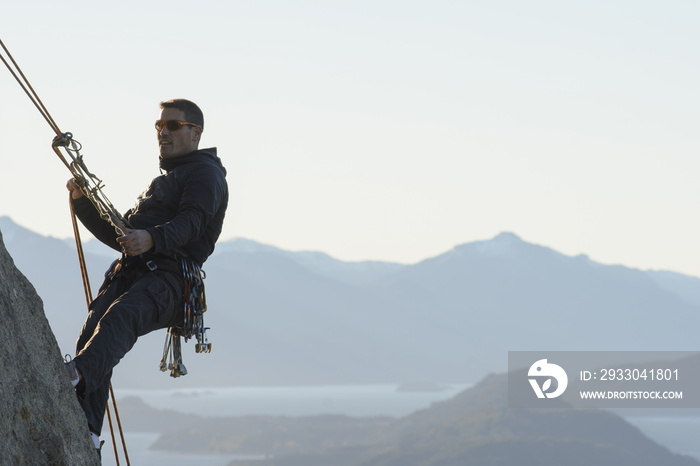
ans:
x=193 y=321
x=195 y=305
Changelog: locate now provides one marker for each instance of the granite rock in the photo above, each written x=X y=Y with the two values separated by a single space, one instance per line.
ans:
x=41 y=421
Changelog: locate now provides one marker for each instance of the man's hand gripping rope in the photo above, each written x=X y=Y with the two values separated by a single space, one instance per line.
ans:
x=133 y=242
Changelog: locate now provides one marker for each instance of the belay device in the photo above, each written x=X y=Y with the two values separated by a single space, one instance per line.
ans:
x=91 y=186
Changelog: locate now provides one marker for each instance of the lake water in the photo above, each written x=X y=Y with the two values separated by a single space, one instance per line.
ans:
x=677 y=434
x=352 y=400
x=140 y=455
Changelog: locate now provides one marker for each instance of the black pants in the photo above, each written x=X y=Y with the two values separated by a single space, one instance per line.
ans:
x=136 y=301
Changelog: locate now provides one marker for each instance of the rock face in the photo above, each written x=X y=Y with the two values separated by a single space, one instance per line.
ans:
x=40 y=419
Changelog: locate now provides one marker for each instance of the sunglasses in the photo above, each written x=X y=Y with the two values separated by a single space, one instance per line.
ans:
x=173 y=125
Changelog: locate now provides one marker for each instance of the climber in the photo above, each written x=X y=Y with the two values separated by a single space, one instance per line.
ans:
x=179 y=216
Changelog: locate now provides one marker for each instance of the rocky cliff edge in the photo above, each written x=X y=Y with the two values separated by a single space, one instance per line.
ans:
x=40 y=419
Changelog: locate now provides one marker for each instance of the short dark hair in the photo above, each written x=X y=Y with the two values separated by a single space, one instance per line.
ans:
x=193 y=114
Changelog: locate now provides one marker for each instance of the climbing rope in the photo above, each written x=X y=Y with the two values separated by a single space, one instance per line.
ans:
x=91 y=186
x=88 y=299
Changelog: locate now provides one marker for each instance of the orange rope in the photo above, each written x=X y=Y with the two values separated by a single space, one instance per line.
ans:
x=19 y=76
x=88 y=298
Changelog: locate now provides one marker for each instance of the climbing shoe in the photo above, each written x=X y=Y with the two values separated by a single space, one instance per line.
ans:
x=72 y=371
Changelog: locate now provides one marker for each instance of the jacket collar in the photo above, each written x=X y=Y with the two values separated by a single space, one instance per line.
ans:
x=195 y=156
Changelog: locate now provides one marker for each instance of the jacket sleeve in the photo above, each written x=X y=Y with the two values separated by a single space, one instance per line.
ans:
x=204 y=191
x=101 y=229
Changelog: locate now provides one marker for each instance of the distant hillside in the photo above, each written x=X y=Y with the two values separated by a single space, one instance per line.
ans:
x=474 y=428
x=280 y=317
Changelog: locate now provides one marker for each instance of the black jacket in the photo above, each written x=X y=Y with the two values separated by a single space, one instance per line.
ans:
x=183 y=209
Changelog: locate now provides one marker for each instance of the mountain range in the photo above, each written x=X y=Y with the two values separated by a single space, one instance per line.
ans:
x=283 y=318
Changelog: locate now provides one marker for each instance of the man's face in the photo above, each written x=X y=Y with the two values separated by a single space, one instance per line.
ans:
x=178 y=142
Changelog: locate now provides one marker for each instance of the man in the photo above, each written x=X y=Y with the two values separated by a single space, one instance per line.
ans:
x=180 y=215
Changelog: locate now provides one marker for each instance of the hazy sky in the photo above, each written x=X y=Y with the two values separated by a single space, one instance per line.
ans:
x=384 y=129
